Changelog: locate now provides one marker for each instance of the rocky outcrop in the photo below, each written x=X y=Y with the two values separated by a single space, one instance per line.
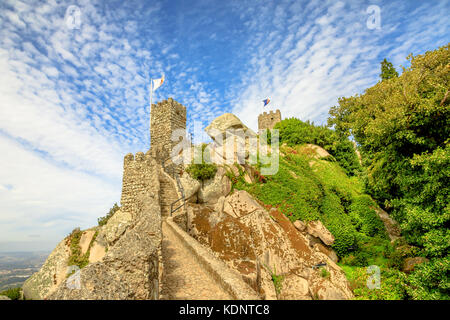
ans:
x=392 y=227
x=231 y=139
x=50 y=276
x=4 y=298
x=212 y=189
x=242 y=233
x=318 y=230
x=190 y=187
x=410 y=263
x=124 y=255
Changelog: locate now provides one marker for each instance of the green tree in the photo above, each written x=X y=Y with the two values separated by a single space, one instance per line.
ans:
x=387 y=70
x=403 y=129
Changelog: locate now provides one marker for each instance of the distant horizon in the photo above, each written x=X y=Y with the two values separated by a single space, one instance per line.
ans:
x=27 y=247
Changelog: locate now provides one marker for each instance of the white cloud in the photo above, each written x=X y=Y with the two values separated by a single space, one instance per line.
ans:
x=332 y=54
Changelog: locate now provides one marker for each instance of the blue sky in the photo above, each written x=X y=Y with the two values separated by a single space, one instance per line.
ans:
x=73 y=102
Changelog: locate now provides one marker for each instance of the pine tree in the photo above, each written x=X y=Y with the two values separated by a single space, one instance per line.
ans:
x=387 y=70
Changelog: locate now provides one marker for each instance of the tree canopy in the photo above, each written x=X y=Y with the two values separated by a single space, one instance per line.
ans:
x=402 y=127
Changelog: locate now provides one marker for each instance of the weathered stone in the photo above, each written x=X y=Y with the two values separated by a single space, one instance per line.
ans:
x=328 y=252
x=97 y=252
x=227 y=121
x=212 y=189
x=317 y=229
x=85 y=240
x=242 y=203
x=116 y=226
x=392 y=227
x=300 y=225
x=318 y=152
x=190 y=187
x=268 y=120
x=52 y=273
x=294 y=287
x=410 y=263
x=4 y=297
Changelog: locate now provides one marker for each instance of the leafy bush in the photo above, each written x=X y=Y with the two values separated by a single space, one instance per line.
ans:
x=202 y=171
x=75 y=257
x=296 y=132
x=103 y=220
x=402 y=127
x=12 y=293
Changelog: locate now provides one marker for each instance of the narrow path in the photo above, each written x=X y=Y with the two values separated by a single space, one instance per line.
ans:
x=184 y=277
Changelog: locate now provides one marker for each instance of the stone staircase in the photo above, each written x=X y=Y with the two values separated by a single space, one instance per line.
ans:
x=168 y=194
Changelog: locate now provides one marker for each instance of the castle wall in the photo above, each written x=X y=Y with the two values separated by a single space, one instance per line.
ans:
x=166 y=116
x=268 y=120
x=138 y=180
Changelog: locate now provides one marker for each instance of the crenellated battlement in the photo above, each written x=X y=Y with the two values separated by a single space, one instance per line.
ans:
x=166 y=117
x=268 y=120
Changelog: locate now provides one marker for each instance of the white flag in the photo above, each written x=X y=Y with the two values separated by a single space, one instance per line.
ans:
x=157 y=83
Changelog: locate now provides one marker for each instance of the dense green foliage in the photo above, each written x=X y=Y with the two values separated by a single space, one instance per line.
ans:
x=402 y=127
x=323 y=192
x=202 y=168
x=201 y=171
x=103 y=220
x=76 y=258
x=294 y=132
x=387 y=70
x=12 y=293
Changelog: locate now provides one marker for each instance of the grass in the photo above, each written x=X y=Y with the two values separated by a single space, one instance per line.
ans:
x=76 y=258
x=308 y=189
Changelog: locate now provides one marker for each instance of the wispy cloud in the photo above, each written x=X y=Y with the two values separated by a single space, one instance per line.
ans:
x=304 y=56
x=74 y=101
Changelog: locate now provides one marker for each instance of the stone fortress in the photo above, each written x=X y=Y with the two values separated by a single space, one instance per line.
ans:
x=268 y=120
x=177 y=238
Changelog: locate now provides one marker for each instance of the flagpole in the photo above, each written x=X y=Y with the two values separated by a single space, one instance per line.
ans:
x=151 y=97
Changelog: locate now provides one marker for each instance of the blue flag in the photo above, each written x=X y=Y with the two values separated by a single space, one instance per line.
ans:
x=266 y=102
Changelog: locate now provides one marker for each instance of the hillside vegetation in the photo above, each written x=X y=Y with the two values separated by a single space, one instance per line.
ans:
x=401 y=126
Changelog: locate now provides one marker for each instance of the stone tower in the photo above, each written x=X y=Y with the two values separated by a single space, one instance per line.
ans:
x=165 y=117
x=268 y=120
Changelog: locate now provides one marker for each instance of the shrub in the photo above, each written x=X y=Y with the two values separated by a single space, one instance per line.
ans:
x=295 y=132
x=324 y=273
x=12 y=293
x=103 y=220
x=202 y=171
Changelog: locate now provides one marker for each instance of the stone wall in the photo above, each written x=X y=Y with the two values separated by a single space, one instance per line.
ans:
x=268 y=120
x=132 y=268
x=165 y=117
x=138 y=174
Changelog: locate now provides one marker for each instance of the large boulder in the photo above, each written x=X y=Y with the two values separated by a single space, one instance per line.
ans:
x=294 y=287
x=212 y=189
x=244 y=234
x=116 y=226
x=241 y=203
x=410 y=263
x=231 y=139
x=190 y=187
x=224 y=123
x=318 y=230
